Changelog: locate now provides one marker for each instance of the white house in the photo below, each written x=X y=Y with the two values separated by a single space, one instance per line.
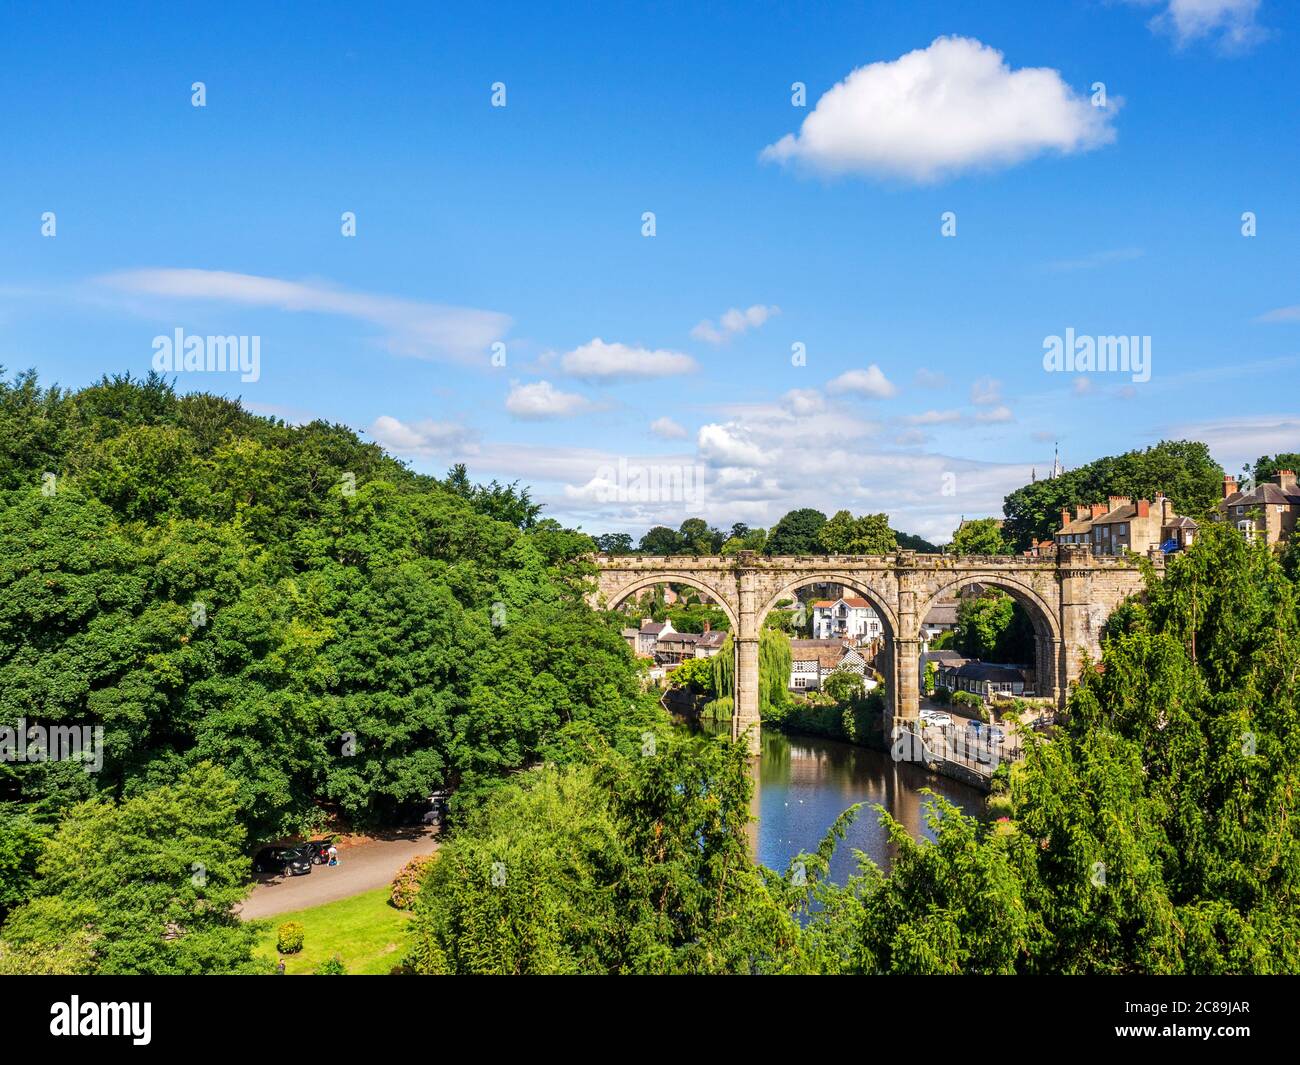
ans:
x=812 y=661
x=845 y=619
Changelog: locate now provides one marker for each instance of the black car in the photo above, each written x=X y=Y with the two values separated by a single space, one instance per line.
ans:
x=317 y=850
x=282 y=860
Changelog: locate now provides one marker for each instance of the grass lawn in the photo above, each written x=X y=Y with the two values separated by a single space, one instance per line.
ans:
x=364 y=931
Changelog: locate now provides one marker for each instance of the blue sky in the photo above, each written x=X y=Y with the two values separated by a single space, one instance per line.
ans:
x=922 y=390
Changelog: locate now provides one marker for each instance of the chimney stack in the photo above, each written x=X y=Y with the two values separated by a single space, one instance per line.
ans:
x=1286 y=479
x=1144 y=508
x=706 y=624
x=1098 y=510
x=1065 y=516
x=1118 y=501
x=1229 y=485
x=1081 y=512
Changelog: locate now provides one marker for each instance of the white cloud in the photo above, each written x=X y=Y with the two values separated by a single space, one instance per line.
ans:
x=1232 y=22
x=994 y=415
x=756 y=465
x=934 y=417
x=1235 y=440
x=421 y=439
x=940 y=110
x=1081 y=386
x=733 y=323
x=986 y=391
x=1096 y=259
x=730 y=445
x=802 y=402
x=541 y=399
x=870 y=382
x=667 y=429
x=929 y=379
x=410 y=327
x=1282 y=314
x=614 y=361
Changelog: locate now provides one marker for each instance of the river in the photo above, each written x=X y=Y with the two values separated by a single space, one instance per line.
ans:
x=805 y=782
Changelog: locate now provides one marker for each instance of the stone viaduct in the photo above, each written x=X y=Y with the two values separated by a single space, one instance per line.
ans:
x=1067 y=596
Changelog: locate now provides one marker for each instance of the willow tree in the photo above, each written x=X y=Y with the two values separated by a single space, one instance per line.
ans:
x=774 y=666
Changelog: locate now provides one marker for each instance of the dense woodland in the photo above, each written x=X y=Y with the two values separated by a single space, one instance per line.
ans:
x=277 y=625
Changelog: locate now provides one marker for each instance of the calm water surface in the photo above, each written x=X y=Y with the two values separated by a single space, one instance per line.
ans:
x=804 y=783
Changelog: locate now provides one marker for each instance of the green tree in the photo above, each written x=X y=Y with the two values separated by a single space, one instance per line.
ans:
x=931 y=677
x=980 y=536
x=915 y=543
x=695 y=674
x=633 y=865
x=843 y=685
x=1267 y=466
x=150 y=883
x=994 y=627
x=614 y=543
x=952 y=906
x=868 y=535
x=774 y=666
x=796 y=534
x=661 y=541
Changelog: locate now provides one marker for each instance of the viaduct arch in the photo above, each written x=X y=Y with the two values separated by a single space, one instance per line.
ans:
x=1068 y=597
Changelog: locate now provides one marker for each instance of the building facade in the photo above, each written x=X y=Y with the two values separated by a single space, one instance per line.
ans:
x=1269 y=511
x=812 y=661
x=845 y=618
x=1122 y=526
x=985 y=679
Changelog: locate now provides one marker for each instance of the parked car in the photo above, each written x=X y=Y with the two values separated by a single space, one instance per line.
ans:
x=317 y=850
x=935 y=717
x=431 y=811
x=282 y=860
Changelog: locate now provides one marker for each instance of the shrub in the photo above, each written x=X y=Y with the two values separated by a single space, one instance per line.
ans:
x=942 y=696
x=999 y=805
x=406 y=884
x=333 y=967
x=288 y=938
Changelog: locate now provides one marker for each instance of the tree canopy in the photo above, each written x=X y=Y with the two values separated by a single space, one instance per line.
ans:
x=980 y=536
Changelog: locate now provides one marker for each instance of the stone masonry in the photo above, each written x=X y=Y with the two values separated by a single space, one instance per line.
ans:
x=1068 y=597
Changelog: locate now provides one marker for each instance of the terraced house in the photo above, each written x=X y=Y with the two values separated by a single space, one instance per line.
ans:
x=1269 y=510
x=1121 y=525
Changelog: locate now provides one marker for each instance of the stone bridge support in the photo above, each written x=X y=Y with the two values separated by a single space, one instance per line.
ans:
x=1067 y=596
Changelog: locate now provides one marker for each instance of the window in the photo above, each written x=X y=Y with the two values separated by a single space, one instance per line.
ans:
x=1123 y=530
x=1241 y=510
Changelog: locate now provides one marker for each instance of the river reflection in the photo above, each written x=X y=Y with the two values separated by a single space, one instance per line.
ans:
x=805 y=782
